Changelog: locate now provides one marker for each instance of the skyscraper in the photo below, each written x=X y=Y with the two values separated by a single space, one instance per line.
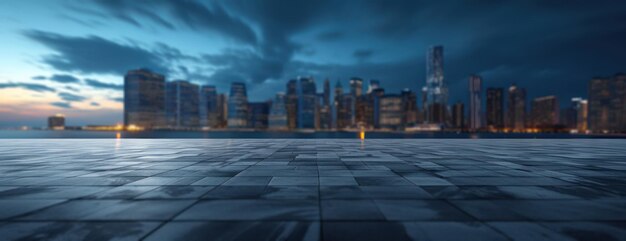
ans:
x=516 y=113
x=222 y=110
x=278 y=113
x=208 y=107
x=326 y=99
x=458 y=115
x=545 y=112
x=337 y=107
x=345 y=111
x=182 y=104
x=238 y=106
x=436 y=91
x=258 y=113
x=475 y=85
x=144 y=99
x=391 y=112
x=291 y=103
x=409 y=99
x=356 y=86
x=495 y=108
x=357 y=109
x=306 y=103
x=325 y=110
x=580 y=106
x=375 y=97
x=607 y=104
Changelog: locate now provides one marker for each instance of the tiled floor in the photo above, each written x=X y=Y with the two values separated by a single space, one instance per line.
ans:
x=297 y=189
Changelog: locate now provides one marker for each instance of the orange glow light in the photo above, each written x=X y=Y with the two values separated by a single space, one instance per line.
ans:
x=118 y=135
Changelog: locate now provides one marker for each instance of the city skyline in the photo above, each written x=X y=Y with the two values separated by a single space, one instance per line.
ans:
x=46 y=68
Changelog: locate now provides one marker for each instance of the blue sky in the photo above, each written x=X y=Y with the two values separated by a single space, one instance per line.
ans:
x=69 y=56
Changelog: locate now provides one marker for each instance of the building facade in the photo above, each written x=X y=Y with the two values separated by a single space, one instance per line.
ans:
x=409 y=99
x=516 y=111
x=545 y=112
x=144 y=99
x=495 y=108
x=278 y=113
x=182 y=104
x=307 y=97
x=458 y=116
x=258 y=115
x=391 y=112
x=209 y=111
x=607 y=104
x=475 y=86
x=56 y=122
x=291 y=103
x=436 y=92
x=238 y=106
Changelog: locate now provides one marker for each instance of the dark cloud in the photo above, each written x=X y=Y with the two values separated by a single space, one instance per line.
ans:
x=39 y=77
x=93 y=54
x=64 y=78
x=102 y=85
x=69 y=97
x=363 y=54
x=196 y=15
x=117 y=99
x=94 y=104
x=64 y=105
x=28 y=86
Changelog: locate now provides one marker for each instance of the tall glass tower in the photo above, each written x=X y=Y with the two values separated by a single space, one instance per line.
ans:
x=181 y=104
x=237 y=106
x=278 y=113
x=306 y=103
x=435 y=89
x=144 y=99
x=475 y=85
x=208 y=106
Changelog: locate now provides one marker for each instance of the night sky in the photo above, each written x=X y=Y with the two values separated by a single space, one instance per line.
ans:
x=70 y=56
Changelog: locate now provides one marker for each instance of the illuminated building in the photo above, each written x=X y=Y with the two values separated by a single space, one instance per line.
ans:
x=607 y=104
x=144 y=99
x=238 y=106
x=324 y=108
x=495 y=108
x=344 y=119
x=306 y=103
x=475 y=85
x=291 y=103
x=182 y=104
x=278 y=113
x=544 y=112
x=458 y=115
x=581 y=107
x=258 y=113
x=409 y=101
x=435 y=89
x=222 y=110
x=375 y=96
x=56 y=122
x=209 y=109
x=358 y=104
x=516 y=112
x=337 y=106
x=391 y=112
